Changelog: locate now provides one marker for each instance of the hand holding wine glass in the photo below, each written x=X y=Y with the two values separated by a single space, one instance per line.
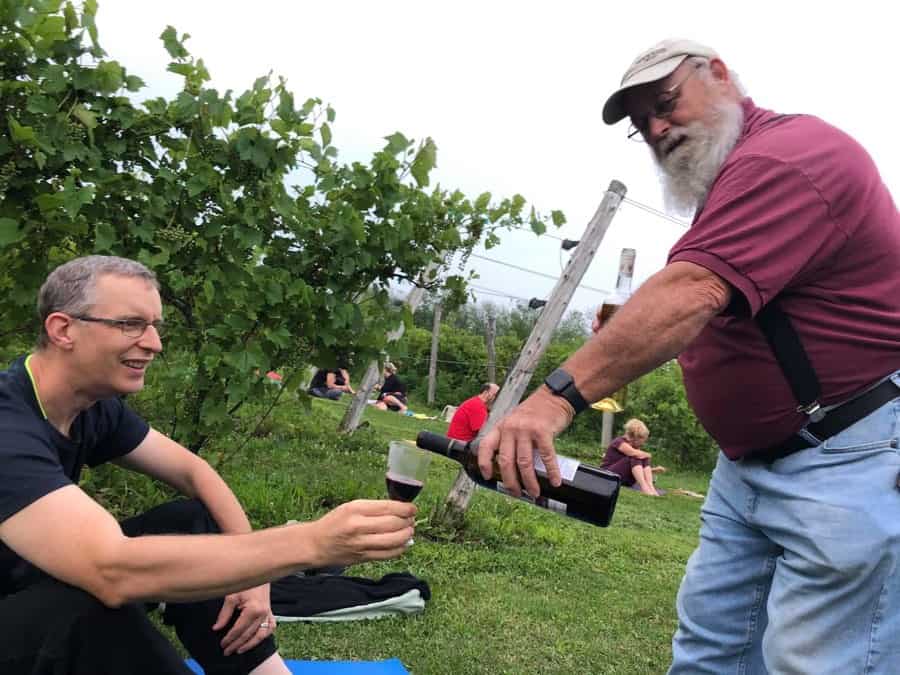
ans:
x=359 y=531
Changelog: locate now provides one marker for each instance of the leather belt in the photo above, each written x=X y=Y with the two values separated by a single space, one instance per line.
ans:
x=834 y=422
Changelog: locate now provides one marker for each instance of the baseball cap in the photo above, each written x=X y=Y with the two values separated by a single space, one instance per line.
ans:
x=652 y=65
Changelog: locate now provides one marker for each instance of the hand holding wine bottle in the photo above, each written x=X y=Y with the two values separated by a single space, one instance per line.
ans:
x=531 y=426
x=585 y=492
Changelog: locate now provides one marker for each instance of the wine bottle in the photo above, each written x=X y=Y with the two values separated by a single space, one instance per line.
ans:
x=611 y=303
x=587 y=492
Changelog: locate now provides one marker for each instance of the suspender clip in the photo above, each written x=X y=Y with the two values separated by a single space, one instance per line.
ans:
x=813 y=411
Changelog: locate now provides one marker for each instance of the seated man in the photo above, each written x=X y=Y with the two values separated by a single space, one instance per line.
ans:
x=472 y=413
x=330 y=384
x=393 y=391
x=73 y=581
x=625 y=458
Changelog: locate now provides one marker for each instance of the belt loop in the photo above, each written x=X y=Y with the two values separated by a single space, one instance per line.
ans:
x=810 y=437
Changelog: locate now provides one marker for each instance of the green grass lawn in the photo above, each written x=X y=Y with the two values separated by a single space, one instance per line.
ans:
x=518 y=591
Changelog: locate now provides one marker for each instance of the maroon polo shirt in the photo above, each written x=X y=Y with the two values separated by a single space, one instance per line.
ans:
x=798 y=211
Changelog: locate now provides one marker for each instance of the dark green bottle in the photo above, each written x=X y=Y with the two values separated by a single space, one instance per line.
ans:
x=587 y=492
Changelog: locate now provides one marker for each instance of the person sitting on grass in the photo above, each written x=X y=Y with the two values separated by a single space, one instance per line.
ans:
x=625 y=458
x=393 y=392
x=330 y=384
x=75 y=583
x=472 y=413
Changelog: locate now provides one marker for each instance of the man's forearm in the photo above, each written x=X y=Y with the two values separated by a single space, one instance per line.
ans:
x=220 y=501
x=654 y=326
x=197 y=567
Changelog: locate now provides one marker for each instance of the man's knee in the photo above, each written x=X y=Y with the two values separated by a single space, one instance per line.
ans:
x=183 y=516
x=193 y=516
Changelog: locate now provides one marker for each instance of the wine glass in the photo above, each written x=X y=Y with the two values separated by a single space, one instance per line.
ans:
x=406 y=471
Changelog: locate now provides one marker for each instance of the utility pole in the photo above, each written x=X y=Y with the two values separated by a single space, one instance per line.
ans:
x=356 y=408
x=432 y=365
x=454 y=507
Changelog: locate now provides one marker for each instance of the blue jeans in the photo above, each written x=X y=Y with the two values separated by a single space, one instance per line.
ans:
x=798 y=567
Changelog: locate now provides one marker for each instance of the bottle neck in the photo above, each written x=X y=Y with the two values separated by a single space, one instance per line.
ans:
x=626 y=271
x=459 y=451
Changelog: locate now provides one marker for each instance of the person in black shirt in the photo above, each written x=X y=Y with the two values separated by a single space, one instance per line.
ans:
x=330 y=383
x=393 y=391
x=74 y=582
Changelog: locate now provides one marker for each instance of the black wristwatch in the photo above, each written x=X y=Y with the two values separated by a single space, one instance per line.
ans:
x=562 y=384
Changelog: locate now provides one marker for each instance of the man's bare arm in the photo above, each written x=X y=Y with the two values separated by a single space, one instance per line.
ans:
x=72 y=538
x=159 y=457
x=665 y=314
x=662 y=318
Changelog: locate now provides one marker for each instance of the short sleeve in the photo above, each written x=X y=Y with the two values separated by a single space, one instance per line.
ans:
x=119 y=431
x=31 y=467
x=765 y=227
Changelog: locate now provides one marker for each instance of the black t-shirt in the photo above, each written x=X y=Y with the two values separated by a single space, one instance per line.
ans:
x=320 y=379
x=35 y=459
x=393 y=384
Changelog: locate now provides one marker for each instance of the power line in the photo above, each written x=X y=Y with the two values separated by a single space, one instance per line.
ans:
x=422 y=359
x=536 y=273
x=543 y=234
x=494 y=292
x=655 y=212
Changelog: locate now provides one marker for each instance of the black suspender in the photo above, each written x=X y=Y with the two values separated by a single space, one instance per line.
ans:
x=788 y=350
x=792 y=359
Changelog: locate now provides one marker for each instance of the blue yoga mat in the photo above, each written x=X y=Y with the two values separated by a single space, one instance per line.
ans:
x=389 y=667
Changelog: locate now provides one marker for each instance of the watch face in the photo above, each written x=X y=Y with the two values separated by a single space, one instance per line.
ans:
x=558 y=380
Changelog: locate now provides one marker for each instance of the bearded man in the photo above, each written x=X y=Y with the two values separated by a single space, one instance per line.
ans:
x=782 y=304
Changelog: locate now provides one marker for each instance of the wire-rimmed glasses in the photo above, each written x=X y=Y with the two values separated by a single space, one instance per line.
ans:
x=133 y=328
x=662 y=109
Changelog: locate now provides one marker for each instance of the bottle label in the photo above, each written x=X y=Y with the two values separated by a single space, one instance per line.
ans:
x=552 y=505
x=543 y=502
x=567 y=466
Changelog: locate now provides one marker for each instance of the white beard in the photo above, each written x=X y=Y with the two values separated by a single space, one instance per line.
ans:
x=688 y=172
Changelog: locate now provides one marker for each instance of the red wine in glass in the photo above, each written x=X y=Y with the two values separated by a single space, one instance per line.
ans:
x=402 y=488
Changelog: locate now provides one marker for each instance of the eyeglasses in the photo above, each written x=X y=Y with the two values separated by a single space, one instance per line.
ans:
x=132 y=328
x=666 y=102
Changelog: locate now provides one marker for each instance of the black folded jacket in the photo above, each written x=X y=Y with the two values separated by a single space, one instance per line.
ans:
x=308 y=596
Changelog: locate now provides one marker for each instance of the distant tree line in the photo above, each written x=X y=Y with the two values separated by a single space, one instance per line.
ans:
x=658 y=398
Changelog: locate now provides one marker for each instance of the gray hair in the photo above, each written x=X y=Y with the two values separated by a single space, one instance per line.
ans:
x=706 y=75
x=70 y=287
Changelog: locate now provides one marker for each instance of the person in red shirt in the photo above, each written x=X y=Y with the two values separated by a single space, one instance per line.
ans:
x=472 y=414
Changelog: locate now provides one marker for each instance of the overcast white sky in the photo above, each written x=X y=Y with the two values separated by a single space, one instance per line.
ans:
x=511 y=92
